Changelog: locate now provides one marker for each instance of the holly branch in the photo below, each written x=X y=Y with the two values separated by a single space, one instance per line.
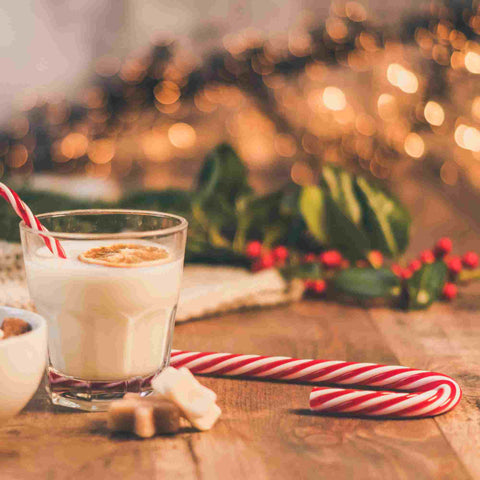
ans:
x=344 y=236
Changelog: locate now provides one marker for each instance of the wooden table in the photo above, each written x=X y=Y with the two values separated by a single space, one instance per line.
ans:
x=266 y=430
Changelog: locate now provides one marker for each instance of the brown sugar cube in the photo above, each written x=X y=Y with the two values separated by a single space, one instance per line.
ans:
x=144 y=416
x=14 y=326
x=166 y=416
x=144 y=420
x=121 y=416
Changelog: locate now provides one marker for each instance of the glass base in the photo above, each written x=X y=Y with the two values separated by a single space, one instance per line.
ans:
x=92 y=396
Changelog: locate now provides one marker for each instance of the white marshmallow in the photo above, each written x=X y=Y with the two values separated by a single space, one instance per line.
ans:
x=208 y=419
x=196 y=401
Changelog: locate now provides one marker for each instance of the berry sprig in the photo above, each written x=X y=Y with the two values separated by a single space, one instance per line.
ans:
x=328 y=262
x=263 y=258
x=434 y=274
x=441 y=251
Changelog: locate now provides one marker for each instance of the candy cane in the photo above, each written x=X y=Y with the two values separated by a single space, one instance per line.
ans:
x=428 y=394
x=22 y=210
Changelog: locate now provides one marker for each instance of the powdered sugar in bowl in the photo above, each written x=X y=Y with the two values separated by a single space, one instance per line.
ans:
x=22 y=361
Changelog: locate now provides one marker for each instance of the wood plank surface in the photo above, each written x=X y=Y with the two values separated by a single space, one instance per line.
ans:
x=266 y=430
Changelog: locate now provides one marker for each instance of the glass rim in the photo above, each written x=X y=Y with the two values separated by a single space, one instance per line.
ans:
x=183 y=224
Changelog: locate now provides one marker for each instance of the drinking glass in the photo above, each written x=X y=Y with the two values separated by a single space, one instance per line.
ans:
x=110 y=324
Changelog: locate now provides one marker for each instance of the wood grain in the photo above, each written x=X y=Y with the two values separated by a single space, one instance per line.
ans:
x=265 y=430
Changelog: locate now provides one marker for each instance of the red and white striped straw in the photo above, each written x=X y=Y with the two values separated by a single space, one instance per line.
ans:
x=428 y=394
x=30 y=219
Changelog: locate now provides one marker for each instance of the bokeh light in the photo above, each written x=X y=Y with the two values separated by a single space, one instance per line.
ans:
x=182 y=135
x=472 y=62
x=467 y=137
x=166 y=92
x=334 y=99
x=302 y=174
x=101 y=151
x=414 y=145
x=74 y=145
x=434 y=113
x=402 y=78
x=17 y=156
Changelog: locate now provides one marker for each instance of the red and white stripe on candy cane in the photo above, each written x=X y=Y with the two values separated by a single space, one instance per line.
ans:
x=427 y=393
x=24 y=212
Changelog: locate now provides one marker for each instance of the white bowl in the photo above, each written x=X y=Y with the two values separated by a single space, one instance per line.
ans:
x=22 y=362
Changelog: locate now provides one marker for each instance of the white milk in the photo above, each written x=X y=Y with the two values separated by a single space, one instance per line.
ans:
x=105 y=323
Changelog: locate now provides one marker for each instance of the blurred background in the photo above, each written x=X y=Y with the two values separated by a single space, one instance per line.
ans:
x=103 y=96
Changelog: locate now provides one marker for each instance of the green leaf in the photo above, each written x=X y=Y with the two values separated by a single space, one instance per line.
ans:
x=340 y=185
x=270 y=218
x=304 y=271
x=199 y=251
x=367 y=283
x=223 y=175
x=386 y=221
x=222 y=181
x=210 y=221
x=343 y=234
x=351 y=205
x=425 y=286
x=312 y=208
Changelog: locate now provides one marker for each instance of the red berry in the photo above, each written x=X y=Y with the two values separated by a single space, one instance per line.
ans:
x=470 y=260
x=396 y=269
x=280 y=253
x=319 y=286
x=442 y=247
x=361 y=264
x=309 y=284
x=345 y=263
x=427 y=256
x=375 y=257
x=406 y=274
x=415 y=266
x=454 y=265
x=267 y=261
x=449 y=291
x=254 y=249
x=331 y=259
x=309 y=258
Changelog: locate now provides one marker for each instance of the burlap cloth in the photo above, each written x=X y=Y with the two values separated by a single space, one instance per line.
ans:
x=206 y=290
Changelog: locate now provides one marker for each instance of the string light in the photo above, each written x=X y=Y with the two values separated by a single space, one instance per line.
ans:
x=449 y=173
x=272 y=98
x=101 y=151
x=74 y=145
x=302 y=174
x=17 y=156
x=402 y=78
x=467 y=137
x=434 y=113
x=387 y=106
x=182 y=135
x=334 y=99
x=476 y=108
x=414 y=145
x=166 y=92
x=472 y=62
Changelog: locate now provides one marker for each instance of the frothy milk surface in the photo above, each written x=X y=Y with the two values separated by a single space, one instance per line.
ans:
x=105 y=323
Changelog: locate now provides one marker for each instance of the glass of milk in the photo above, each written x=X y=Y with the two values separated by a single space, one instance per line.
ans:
x=110 y=305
